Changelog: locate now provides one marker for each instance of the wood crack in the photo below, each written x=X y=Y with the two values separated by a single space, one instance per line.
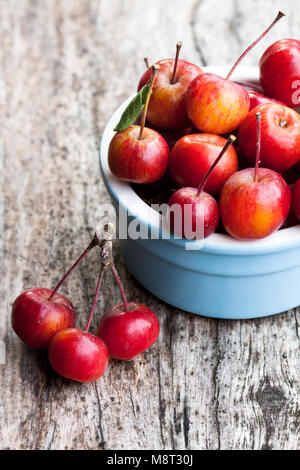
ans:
x=101 y=443
x=216 y=386
x=160 y=405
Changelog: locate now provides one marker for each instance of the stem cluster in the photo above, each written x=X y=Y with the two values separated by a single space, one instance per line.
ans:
x=107 y=261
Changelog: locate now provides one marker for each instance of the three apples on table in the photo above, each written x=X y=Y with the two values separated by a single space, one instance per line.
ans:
x=204 y=109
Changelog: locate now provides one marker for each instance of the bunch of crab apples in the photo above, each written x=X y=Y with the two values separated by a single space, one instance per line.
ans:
x=227 y=149
x=45 y=319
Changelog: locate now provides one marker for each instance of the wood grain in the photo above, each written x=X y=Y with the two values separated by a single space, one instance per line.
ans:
x=206 y=384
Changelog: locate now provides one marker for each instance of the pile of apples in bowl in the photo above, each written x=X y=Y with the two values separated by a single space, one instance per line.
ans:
x=226 y=152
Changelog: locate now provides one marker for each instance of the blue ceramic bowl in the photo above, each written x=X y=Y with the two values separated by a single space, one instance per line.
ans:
x=220 y=277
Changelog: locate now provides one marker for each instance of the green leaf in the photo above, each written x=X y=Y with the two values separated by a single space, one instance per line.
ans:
x=133 y=109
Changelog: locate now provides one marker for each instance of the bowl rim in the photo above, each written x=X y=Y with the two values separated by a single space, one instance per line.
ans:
x=129 y=201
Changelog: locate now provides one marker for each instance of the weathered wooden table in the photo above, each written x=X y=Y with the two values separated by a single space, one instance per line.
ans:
x=206 y=384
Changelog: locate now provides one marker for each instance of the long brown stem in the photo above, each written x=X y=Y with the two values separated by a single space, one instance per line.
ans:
x=155 y=69
x=146 y=60
x=103 y=268
x=178 y=47
x=120 y=285
x=258 y=144
x=209 y=171
x=278 y=17
x=86 y=251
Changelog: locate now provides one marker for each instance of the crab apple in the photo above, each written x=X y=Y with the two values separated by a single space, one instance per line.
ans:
x=254 y=209
x=167 y=103
x=193 y=155
x=36 y=319
x=280 y=128
x=204 y=215
x=257 y=98
x=138 y=160
x=198 y=215
x=280 y=71
x=217 y=105
x=256 y=95
x=138 y=154
x=78 y=355
x=128 y=331
x=38 y=314
x=254 y=202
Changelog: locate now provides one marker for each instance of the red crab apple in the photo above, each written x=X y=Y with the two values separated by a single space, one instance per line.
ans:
x=217 y=105
x=280 y=127
x=167 y=103
x=251 y=85
x=194 y=214
x=78 y=355
x=256 y=95
x=128 y=331
x=36 y=319
x=138 y=154
x=257 y=98
x=296 y=199
x=38 y=314
x=128 y=328
x=193 y=155
x=280 y=71
x=138 y=160
x=256 y=201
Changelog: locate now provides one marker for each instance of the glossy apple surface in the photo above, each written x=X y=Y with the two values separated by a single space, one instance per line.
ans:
x=251 y=85
x=193 y=155
x=198 y=216
x=167 y=103
x=78 y=355
x=280 y=133
x=128 y=333
x=280 y=71
x=36 y=320
x=256 y=94
x=215 y=105
x=257 y=98
x=254 y=209
x=138 y=161
x=296 y=199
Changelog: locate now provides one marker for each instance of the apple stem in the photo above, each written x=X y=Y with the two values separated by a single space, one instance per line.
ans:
x=92 y=244
x=283 y=123
x=120 y=285
x=146 y=60
x=103 y=268
x=278 y=17
x=258 y=144
x=107 y=261
x=230 y=141
x=155 y=69
x=178 y=47
x=107 y=258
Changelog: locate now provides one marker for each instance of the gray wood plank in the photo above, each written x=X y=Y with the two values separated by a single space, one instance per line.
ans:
x=206 y=384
